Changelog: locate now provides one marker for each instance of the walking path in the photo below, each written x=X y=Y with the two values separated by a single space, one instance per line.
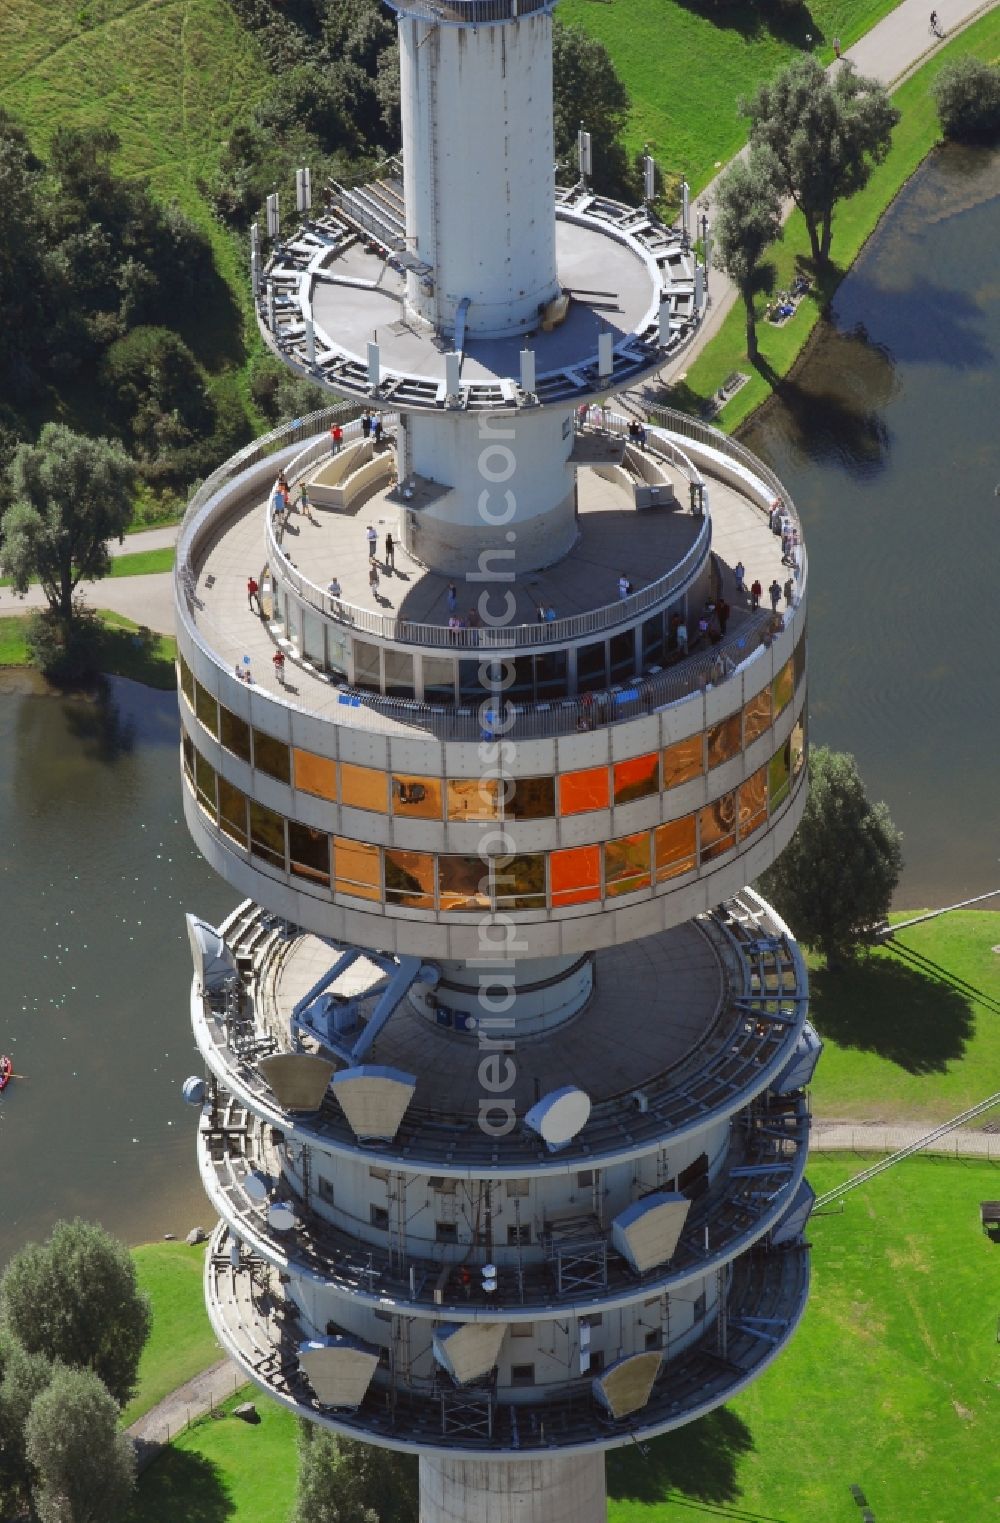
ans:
x=146 y=600
x=895 y=46
x=191 y=1400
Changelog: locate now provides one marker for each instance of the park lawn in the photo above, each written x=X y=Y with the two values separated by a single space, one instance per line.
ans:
x=143 y=562
x=13 y=651
x=912 y=1032
x=223 y=1470
x=181 y=1343
x=854 y=222
x=686 y=67
x=127 y=649
x=889 y=1383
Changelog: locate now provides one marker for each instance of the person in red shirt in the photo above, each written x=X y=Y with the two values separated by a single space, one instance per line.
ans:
x=279 y=666
x=253 y=594
x=336 y=438
x=755 y=593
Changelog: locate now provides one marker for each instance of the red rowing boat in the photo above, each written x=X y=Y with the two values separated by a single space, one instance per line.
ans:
x=6 y=1071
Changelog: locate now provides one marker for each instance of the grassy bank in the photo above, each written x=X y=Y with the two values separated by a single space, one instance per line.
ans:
x=126 y=649
x=912 y=1033
x=889 y=1384
x=181 y=1343
x=854 y=222
x=686 y=67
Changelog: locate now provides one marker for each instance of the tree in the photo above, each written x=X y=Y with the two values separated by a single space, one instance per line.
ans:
x=585 y=84
x=748 y=220
x=71 y=494
x=967 y=97
x=341 y=1481
x=23 y=1376
x=826 y=133
x=76 y=1299
x=837 y=877
x=85 y=1467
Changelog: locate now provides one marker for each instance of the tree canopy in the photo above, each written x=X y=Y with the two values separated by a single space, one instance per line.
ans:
x=748 y=221
x=341 y=1481
x=70 y=495
x=586 y=87
x=75 y=1299
x=826 y=133
x=84 y=1466
x=23 y=1376
x=836 y=877
x=967 y=97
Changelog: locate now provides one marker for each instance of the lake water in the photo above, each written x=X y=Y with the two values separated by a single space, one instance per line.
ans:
x=96 y=871
x=889 y=441
x=890 y=444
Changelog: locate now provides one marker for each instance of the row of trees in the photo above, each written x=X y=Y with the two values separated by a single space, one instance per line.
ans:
x=73 y=1324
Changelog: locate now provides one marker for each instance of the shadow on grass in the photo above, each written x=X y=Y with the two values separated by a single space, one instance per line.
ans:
x=181 y=1485
x=922 y=963
x=793 y=24
x=700 y=1461
x=902 y=1012
x=136 y=653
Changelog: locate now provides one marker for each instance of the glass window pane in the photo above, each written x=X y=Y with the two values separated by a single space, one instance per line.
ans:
x=473 y=798
x=723 y=740
x=204 y=778
x=439 y=679
x=675 y=847
x=626 y=864
x=753 y=803
x=207 y=709
x=798 y=740
x=799 y=660
x=309 y=852
x=357 y=869
x=364 y=787
x=416 y=798
x=637 y=778
x=552 y=674
x=653 y=645
x=576 y=875
x=519 y=882
x=234 y=733
x=271 y=756
x=409 y=879
x=756 y=716
x=591 y=672
x=187 y=680
x=622 y=655
x=779 y=775
x=267 y=834
x=315 y=774
x=367 y=665
x=312 y=637
x=398 y=674
x=682 y=761
x=532 y=798
x=718 y=827
x=783 y=687
x=188 y=747
x=580 y=791
x=464 y=883
x=233 y=812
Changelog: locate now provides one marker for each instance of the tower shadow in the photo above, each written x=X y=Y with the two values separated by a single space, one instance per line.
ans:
x=700 y=1461
x=900 y=1010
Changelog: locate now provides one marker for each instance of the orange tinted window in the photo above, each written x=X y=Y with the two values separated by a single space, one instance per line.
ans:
x=315 y=774
x=637 y=778
x=464 y=883
x=723 y=740
x=718 y=827
x=363 y=787
x=409 y=878
x=576 y=875
x=626 y=864
x=783 y=687
x=675 y=848
x=753 y=803
x=356 y=868
x=682 y=761
x=756 y=716
x=580 y=791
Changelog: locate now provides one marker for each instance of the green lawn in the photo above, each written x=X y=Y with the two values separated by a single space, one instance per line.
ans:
x=126 y=649
x=182 y=1342
x=889 y=1384
x=854 y=222
x=223 y=1470
x=143 y=562
x=686 y=66
x=913 y=1031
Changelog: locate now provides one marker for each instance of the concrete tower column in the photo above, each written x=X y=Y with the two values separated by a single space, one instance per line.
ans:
x=549 y=1490
x=480 y=185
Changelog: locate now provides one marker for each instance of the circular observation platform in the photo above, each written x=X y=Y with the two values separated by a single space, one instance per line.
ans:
x=344 y=273
x=262 y=1329
x=682 y=1032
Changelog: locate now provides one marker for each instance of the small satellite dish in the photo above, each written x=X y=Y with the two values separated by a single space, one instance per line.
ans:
x=257 y=1185
x=281 y=1218
x=559 y=1115
x=193 y=1090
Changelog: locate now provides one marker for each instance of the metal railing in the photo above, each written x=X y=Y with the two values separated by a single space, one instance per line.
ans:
x=470 y=12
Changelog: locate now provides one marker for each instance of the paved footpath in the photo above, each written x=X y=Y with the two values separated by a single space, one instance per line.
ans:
x=892 y=49
x=146 y=600
x=191 y=1400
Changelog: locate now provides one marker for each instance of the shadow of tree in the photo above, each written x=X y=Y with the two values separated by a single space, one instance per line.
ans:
x=782 y=19
x=700 y=1461
x=99 y=724
x=181 y=1485
x=887 y=1006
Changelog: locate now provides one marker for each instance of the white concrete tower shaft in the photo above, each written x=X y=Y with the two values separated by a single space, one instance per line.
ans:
x=555 y=1489
x=480 y=184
